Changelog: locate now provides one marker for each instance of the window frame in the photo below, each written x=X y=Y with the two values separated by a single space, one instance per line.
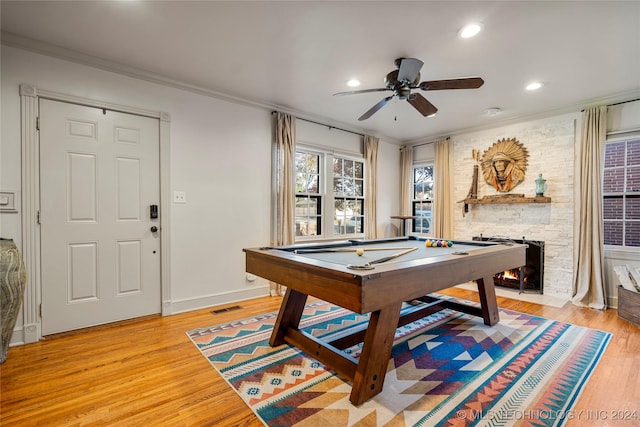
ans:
x=624 y=194
x=326 y=195
x=415 y=201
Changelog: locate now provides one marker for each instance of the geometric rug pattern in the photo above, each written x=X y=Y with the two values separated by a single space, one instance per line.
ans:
x=448 y=369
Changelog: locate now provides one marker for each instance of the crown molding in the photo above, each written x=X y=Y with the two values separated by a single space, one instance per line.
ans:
x=36 y=46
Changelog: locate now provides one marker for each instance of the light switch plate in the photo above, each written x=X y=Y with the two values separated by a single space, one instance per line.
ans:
x=7 y=201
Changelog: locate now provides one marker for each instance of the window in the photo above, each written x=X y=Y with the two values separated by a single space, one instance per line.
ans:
x=348 y=196
x=422 y=198
x=308 y=200
x=329 y=195
x=621 y=193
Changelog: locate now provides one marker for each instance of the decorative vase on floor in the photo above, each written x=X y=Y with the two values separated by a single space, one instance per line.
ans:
x=13 y=278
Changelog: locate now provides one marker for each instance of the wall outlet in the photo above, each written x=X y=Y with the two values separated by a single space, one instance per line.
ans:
x=179 y=197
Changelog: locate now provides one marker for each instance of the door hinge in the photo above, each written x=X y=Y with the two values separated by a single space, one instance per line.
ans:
x=38 y=217
x=40 y=310
x=37 y=123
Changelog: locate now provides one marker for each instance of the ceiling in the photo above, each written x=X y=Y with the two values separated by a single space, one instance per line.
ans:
x=293 y=55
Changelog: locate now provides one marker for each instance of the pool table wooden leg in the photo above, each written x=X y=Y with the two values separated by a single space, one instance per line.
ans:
x=488 y=302
x=289 y=315
x=376 y=352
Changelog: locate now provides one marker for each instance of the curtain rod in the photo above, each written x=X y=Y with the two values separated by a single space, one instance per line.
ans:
x=616 y=103
x=322 y=124
x=427 y=143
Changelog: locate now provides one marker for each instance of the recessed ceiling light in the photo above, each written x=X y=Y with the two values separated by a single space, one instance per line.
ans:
x=493 y=111
x=469 y=31
x=534 y=86
x=353 y=83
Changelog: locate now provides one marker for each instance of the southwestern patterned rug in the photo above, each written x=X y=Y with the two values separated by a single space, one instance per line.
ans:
x=447 y=369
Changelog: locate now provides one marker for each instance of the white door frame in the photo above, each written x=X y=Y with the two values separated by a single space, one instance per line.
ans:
x=30 y=142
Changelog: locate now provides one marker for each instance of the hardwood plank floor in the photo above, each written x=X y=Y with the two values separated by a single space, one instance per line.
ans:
x=149 y=373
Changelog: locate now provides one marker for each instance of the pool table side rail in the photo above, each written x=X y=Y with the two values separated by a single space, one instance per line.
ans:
x=366 y=291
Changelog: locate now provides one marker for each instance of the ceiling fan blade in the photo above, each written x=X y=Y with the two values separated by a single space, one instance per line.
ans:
x=375 y=108
x=409 y=69
x=354 y=92
x=462 y=83
x=421 y=104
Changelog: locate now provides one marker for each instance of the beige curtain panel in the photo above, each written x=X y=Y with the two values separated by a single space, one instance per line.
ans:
x=285 y=151
x=443 y=202
x=371 y=186
x=588 y=285
x=406 y=179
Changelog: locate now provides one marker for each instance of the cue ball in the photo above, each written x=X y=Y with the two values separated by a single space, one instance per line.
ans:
x=359 y=251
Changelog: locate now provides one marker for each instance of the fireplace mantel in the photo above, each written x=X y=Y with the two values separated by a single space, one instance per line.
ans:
x=509 y=198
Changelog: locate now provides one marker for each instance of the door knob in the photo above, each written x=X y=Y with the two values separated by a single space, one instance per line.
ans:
x=154 y=229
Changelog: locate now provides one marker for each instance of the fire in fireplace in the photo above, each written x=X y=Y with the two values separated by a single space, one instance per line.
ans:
x=528 y=277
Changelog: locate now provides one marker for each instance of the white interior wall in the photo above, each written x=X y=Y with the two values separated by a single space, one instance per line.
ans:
x=219 y=155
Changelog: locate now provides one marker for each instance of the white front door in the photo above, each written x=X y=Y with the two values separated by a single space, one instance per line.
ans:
x=99 y=175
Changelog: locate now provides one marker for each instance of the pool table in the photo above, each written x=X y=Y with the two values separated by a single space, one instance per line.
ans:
x=376 y=277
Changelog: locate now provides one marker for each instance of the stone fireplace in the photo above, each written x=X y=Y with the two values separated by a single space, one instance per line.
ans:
x=550 y=143
x=530 y=276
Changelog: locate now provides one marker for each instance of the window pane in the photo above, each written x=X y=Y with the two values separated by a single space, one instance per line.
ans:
x=359 y=188
x=633 y=207
x=614 y=155
x=314 y=163
x=613 y=233
x=422 y=210
x=312 y=184
x=621 y=188
x=348 y=186
x=307 y=227
x=613 y=181
x=633 y=153
x=632 y=235
x=305 y=206
x=423 y=183
x=359 y=169
x=337 y=167
x=612 y=208
x=338 y=186
x=633 y=179
x=348 y=168
x=307 y=173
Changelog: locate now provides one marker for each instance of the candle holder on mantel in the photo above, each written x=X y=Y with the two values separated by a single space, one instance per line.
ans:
x=540 y=184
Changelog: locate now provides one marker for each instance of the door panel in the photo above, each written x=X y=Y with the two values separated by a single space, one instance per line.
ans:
x=99 y=174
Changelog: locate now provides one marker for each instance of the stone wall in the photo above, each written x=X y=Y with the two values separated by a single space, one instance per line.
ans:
x=550 y=143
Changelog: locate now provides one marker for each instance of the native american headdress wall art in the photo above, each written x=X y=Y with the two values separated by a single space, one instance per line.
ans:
x=504 y=164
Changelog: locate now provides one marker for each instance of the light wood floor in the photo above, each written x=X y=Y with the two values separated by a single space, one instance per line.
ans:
x=149 y=373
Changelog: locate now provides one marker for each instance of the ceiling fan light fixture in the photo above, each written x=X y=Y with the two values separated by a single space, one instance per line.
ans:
x=431 y=115
x=469 y=31
x=353 y=82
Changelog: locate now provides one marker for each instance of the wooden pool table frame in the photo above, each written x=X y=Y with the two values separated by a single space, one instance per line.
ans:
x=380 y=292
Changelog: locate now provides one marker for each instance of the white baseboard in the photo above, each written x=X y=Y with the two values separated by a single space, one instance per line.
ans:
x=185 y=305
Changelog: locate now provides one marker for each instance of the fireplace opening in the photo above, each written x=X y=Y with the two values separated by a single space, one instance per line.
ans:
x=528 y=277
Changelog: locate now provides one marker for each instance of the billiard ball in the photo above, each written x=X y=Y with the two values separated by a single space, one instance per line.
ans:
x=360 y=251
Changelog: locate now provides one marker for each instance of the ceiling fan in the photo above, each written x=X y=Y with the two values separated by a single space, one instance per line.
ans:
x=406 y=78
